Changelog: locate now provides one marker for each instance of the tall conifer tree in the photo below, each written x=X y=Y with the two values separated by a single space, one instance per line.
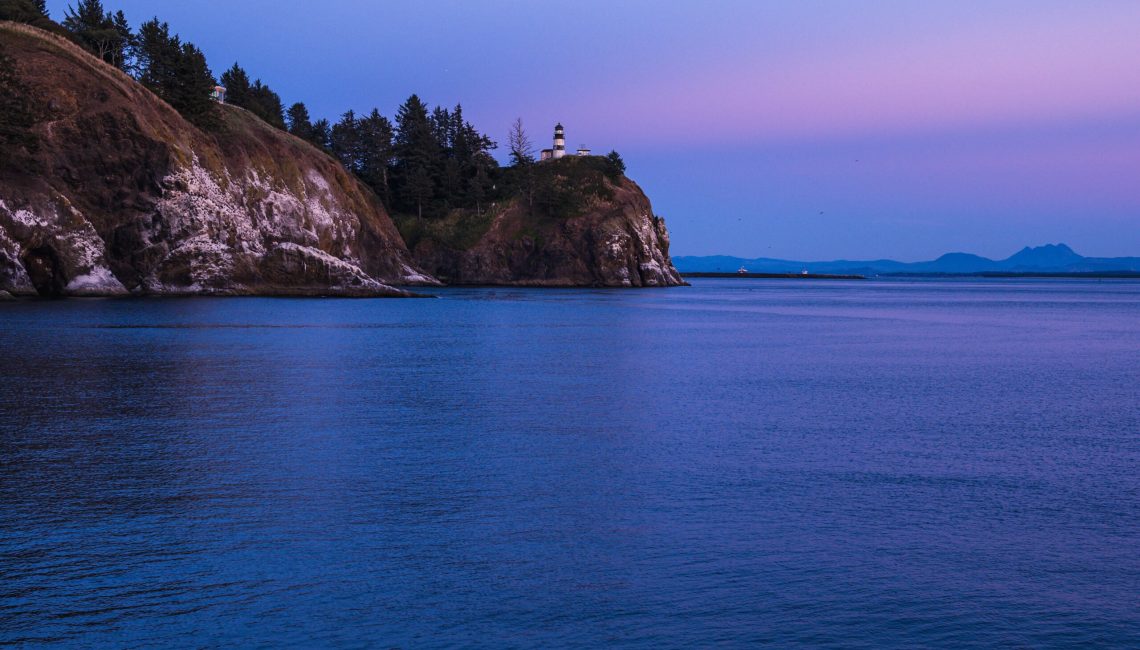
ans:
x=176 y=72
x=375 y=135
x=417 y=151
x=106 y=35
x=297 y=117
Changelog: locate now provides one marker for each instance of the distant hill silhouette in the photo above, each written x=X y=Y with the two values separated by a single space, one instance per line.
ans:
x=1047 y=256
x=1050 y=258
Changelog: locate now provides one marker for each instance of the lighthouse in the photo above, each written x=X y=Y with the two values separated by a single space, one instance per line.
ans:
x=559 y=141
x=559 y=150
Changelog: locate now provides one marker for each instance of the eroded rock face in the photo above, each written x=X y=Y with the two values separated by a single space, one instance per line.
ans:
x=54 y=252
x=123 y=196
x=616 y=242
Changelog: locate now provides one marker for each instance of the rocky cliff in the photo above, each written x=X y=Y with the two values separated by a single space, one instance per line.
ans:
x=608 y=238
x=121 y=195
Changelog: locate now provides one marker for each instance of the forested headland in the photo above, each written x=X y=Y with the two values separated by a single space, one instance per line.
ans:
x=425 y=163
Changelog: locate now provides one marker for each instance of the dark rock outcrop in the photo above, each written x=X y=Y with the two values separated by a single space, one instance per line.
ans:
x=122 y=196
x=615 y=241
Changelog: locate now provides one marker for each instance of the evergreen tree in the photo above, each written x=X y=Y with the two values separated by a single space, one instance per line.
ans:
x=322 y=133
x=266 y=104
x=451 y=185
x=417 y=152
x=479 y=184
x=458 y=153
x=615 y=166
x=429 y=161
x=106 y=35
x=257 y=98
x=124 y=56
x=472 y=150
x=374 y=135
x=441 y=129
x=458 y=138
x=345 y=142
x=418 y=188
x=24 y=11
x=193 y=85
x=297 y=117
x=31 y=12
x=157 y=51
x=176 y=72
x=87 y=15
x=237 y=85
x=21 y=11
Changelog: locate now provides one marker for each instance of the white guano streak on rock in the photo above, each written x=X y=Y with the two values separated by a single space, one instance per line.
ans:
x=99 y=282
x=411 y=276
x=250 y=217
x=18 y=280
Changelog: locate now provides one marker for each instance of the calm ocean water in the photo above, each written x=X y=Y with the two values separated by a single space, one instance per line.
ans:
x=798 y=463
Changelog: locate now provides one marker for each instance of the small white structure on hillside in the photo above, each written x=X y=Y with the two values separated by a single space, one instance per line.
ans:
x=219 y=94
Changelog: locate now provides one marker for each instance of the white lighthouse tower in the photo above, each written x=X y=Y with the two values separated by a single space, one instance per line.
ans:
x=559 y=141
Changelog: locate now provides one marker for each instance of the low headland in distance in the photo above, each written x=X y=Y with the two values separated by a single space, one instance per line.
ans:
x=1050 y=260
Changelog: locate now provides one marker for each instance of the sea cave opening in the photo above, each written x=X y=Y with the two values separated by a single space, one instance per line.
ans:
x=45 y=270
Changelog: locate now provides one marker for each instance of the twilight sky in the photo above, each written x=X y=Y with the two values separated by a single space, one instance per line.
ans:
x=810 y=129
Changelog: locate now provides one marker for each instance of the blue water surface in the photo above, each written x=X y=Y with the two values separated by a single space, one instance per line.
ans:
x=740 y=462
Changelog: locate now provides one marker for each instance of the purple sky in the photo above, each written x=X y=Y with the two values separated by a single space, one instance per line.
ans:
x=808 y=129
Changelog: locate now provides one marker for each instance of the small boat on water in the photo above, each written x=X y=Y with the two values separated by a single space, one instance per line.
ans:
x=742 y=270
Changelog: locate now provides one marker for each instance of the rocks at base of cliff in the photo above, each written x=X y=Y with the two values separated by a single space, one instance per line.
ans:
x=46 y=254
x=287 y=269
x=293 y=269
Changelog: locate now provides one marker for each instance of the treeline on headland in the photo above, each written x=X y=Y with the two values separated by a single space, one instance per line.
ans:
x=428 y=162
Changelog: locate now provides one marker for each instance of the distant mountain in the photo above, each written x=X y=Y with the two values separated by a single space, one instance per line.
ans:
x=958 y=263
x=1044 y=257
x=1050 y=258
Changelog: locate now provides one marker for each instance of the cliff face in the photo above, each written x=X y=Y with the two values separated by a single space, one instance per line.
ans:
x=123 y=196
x=612 y=241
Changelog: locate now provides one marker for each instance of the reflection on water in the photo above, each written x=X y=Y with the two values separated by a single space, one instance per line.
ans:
x=744 y=461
